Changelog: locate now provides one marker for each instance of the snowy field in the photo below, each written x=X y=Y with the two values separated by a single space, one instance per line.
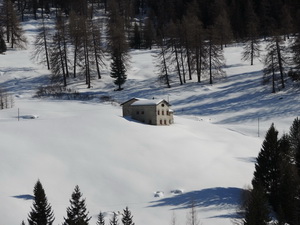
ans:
x=207 y=156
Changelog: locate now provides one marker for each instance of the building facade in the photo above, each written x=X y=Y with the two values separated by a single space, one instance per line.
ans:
x=154 y=112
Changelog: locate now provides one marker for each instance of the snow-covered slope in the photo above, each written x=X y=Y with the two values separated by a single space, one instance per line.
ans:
x=207 y=156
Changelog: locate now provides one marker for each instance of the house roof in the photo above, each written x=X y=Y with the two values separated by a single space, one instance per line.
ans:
x=136 y=99
x=149 y=102
x=142 y=101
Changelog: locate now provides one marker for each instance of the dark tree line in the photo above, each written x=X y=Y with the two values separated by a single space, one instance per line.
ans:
x=42 y=214
x=280 y=15
x=190 y=37
x=276 y=181
x=271 y=14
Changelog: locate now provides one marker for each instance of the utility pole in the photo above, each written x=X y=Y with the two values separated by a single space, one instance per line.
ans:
x=258 y=126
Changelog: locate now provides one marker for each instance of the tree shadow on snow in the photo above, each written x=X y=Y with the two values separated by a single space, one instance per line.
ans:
x=213 y=198
x=24 y=197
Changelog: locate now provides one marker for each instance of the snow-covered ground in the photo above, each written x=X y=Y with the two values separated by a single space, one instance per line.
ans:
x=207 y=156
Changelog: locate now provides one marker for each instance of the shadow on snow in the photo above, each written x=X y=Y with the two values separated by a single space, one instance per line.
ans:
x=213 y=198
x=24 y=197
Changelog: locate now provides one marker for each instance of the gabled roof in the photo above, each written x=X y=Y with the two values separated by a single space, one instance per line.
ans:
x=129 y=100
x=141 y=101
x=149 y=102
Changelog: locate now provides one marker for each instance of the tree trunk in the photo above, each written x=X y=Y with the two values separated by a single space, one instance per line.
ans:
x=96 y=56
x=62 y=64
x=280 y=62
x=65 y=56
x=188 y=58
x=273 y=75
x=166 y=68
x=45 y=44
x=75 y=57
x=178 y=64
x=182 y=66
x=210 y=63
x=252 y=52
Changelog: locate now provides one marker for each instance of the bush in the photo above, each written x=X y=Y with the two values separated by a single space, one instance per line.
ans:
x=59 y=92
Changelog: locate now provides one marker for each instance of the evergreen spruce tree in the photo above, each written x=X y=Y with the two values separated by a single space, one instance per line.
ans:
x=127 y=217
x=41 y=212
x=100 y=220
x=267 y=167
x=288 y=209
x=114 y=220
x=286 y=150
x=118 y=70
x=117 y=44
x=77 y=213
x=256 y=208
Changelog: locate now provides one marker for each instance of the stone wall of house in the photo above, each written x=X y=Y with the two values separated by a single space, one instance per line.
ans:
x=144 y=113
x=154 y=114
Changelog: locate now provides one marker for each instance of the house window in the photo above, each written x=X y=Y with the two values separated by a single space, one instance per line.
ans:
x=165 y=122
x=142 y=112
x=168 y=112
x=137 y=112
x=160 y=122
x=158 y=112
x=162 y=105
x=163 y=112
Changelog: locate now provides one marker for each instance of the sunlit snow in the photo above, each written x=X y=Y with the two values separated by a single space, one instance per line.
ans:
x=206 y=156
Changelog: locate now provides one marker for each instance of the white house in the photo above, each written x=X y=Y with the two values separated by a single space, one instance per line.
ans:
x=155 y=112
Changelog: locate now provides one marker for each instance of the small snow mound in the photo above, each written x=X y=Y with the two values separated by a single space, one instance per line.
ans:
x=207 y=89
x=177 y=192
x=30 y=117
x=158 y=194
